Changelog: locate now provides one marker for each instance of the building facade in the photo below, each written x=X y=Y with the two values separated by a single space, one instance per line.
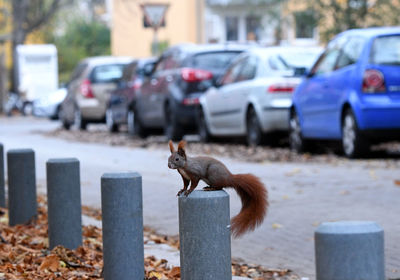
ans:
x=130 y=36
x=267 y=22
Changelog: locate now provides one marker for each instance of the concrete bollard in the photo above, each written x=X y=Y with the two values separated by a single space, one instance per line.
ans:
x=64 y=203
x=205 y=237
x=22 y=203
x=122 y=210
x=2 y=187
x=349 y=250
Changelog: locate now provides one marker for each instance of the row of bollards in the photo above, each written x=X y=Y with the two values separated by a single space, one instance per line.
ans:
x=344 y=250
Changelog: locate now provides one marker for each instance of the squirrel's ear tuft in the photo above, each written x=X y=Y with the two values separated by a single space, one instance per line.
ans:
x=171 y=146
x=181 y=148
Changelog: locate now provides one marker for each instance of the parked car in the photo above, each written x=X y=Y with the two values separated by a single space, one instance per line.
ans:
x=89 y=90
x=122 y=100
x=352 y=93
x=254 y=96
x=49 y=105
x=170 y=94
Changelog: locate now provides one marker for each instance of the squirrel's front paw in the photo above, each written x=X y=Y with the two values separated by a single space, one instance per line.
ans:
x=186 y=193
x=180 y=192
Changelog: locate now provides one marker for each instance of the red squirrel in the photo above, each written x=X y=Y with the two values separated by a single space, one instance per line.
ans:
x=251 y=191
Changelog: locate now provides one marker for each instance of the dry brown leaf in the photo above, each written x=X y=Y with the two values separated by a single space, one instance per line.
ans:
x=175 y=272
x=51 y=262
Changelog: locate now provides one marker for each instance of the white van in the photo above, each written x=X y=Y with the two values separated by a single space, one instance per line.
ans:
x=37 y=71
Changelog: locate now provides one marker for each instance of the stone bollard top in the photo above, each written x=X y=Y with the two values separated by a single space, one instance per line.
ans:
x=124 y=175
x=62 y=160
x=201 y=194
x=348 y=227
x=20 y=151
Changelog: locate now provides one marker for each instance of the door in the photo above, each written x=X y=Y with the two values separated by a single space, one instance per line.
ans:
x=315 y=94
x=219 y=103
x=237 y=98
x=339 y=84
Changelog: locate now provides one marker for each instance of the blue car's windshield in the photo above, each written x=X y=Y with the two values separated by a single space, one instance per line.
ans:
x=386 y=50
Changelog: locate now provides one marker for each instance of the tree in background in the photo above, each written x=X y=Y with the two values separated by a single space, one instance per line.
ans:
x=27 y=17
x=80 y=39
x=335 y=16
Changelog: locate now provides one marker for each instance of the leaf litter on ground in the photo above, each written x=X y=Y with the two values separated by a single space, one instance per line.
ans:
x=25 y=253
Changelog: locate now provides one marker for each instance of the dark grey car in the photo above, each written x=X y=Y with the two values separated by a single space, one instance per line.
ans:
x=169 y=96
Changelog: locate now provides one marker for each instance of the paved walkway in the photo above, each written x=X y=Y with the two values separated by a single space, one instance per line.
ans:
x=301 y=195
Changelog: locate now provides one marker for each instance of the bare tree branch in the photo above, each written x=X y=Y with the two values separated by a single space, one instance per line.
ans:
x=34 y=23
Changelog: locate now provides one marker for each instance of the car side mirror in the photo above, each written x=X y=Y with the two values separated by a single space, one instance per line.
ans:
x=300 y=71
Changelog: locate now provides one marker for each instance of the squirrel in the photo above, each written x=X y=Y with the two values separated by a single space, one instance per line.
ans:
x=250 y=189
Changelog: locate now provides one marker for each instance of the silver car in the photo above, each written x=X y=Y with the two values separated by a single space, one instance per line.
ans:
x=89 y=90
x=254 y=96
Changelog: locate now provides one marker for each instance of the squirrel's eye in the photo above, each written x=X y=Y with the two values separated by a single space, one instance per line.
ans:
x=177 y=159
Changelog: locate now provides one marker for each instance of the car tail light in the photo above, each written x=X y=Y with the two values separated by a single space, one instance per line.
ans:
x=373 y=81
x=86 y=89
x=191 y=75
x=190 y=101
x=137 y=85
x=281 y=88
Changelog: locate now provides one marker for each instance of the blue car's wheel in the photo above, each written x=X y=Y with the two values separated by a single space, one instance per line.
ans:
x=353 y=143
x=296 y=140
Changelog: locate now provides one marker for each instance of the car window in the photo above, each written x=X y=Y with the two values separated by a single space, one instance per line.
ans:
x=386 y=50
x=277 y=63
x=232 y=73
x=168 y=61
x=351 y=52
x=327 y=62
x=129 y=72
x=248 y=70
x=78 y=71
x=213 y=60
x=107 y=73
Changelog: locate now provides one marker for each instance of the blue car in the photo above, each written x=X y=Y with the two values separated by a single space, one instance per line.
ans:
x=351 y=94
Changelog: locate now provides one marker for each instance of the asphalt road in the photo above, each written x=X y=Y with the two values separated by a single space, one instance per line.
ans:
x=302 y=195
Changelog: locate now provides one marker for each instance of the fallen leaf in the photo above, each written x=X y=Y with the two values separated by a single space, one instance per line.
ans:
x=175 y=272
x=276 y=226
x=51 y=263
x=397 y=183
x=155 y=274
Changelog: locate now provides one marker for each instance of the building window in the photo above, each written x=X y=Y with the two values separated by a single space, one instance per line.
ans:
x=253 y=28
x=305 y=24
x=232 y=28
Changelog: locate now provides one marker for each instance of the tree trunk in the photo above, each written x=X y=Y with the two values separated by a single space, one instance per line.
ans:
x=19 y=12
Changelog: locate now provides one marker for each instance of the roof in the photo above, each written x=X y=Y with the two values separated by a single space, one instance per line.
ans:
x=194 y=48
x=262 y=51
x=94 y=60
x=372 y=31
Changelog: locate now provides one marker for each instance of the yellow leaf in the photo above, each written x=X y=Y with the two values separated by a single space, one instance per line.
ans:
x=276 y=226
x=155 y=274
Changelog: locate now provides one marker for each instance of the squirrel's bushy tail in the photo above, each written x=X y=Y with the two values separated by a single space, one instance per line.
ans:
x=254 y=197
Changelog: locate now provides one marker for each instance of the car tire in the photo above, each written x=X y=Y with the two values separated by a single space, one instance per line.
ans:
x=203 y=130
x=138 y=128
x=353 y=143
x=130 y=121
x=172 y=129
x=111 y=125
x=79 y=122
x=296 y=140
x=254 y=135
x=62 y=117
